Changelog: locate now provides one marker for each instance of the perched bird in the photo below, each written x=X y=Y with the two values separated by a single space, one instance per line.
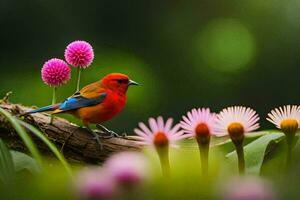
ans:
x=95 y=103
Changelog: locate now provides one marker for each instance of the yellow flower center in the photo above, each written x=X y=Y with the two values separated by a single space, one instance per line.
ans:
x=289 y=126
x=161 y=140
x=202 y=130
x=236 y=131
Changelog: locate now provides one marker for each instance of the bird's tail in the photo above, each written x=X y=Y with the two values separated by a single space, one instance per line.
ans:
x=44 y=109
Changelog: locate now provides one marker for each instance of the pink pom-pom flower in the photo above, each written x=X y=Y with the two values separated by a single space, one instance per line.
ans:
x=56 y=72
x=79 y=54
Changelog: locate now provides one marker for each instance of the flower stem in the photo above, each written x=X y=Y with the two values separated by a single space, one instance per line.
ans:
x=289 y=156
x=53 y=102
x=290 y=142
x=237 y=139
x=163 y=154
x=78 y=79
x=203 y=144
x=241 y=160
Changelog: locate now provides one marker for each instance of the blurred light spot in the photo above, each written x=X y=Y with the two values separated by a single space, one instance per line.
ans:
x=226 y=44
x=293 y=13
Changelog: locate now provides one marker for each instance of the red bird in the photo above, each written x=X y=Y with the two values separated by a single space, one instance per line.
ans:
x=95 y=103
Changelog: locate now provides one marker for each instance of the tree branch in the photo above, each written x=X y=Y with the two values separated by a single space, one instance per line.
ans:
x=76 y=142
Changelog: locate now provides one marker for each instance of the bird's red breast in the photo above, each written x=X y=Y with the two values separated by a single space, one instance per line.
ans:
x=115 y=86
x=111 y=106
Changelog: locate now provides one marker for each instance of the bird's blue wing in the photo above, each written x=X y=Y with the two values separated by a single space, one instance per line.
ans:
x=78 y=101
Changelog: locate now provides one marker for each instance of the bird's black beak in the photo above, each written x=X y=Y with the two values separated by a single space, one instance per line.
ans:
x=131 y=82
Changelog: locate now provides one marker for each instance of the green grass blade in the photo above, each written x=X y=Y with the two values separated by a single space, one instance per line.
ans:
x=7 y=172
x=51 y=146
x=23 y=135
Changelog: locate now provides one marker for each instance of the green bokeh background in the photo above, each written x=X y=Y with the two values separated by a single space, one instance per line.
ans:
x=185 y=54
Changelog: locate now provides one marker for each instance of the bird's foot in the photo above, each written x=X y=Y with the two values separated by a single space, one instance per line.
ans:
x=110 y=133
x=96 y=137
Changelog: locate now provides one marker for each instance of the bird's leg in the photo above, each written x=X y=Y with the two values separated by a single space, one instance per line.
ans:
x=106 y=130
x=96 y=136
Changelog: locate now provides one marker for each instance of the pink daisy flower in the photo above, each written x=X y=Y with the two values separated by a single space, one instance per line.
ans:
x=128 y=168
x=79 y=54
x=286 y=118
x=94 y=183
x=160 y=134
x=199 y=122
x=55 y=72
x=237 y=120
x=246 y=188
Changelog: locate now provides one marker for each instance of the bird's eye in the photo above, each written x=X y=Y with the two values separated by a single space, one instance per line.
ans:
x=122 y=81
